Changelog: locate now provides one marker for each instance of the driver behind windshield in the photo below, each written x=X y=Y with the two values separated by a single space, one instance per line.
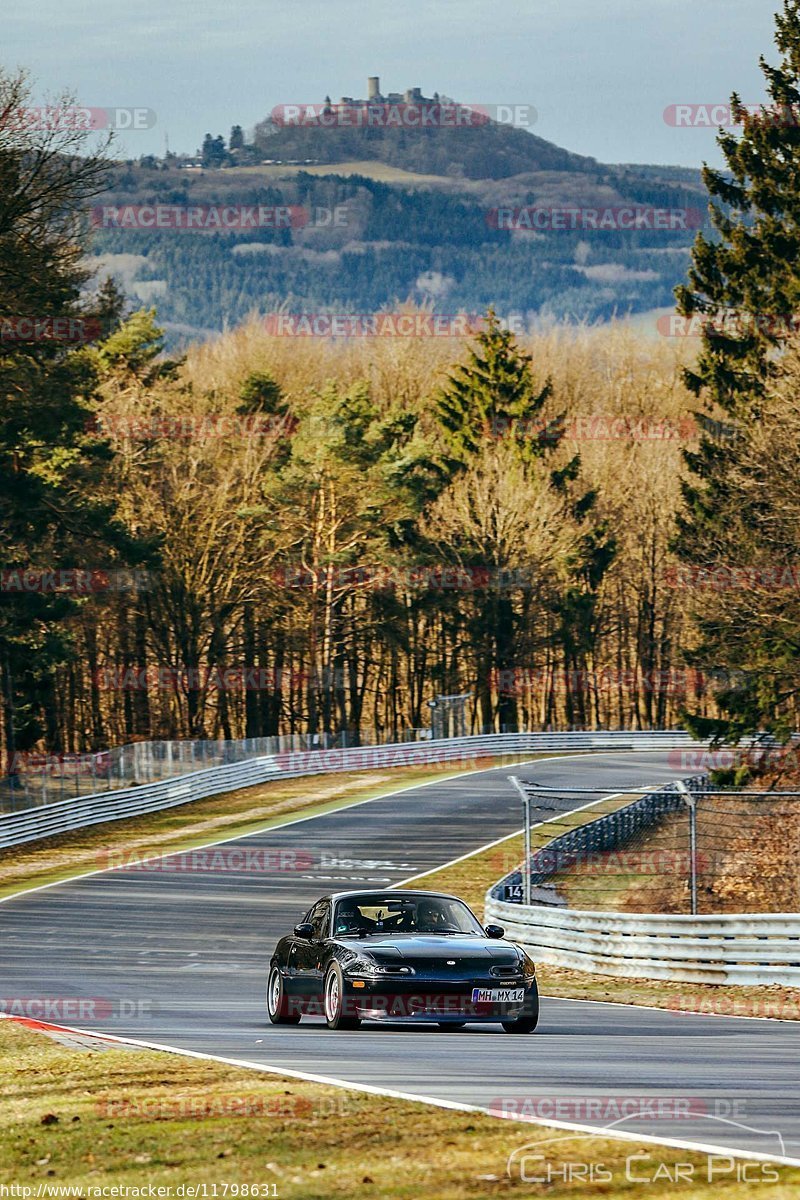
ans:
x=427 y=915
x=430 y=917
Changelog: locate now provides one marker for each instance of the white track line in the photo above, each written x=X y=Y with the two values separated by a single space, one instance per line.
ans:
x=489 y=845
x=516 y=833
x=434 y=1101
x=299 y=820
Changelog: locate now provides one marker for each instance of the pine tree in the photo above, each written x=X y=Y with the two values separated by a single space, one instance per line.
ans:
x=749 y=272
x=745 y=287
x=135 y=348
x=493 y=395
x=52 y=466
x=213 y=152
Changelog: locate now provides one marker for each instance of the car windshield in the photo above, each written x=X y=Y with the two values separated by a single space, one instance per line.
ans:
x=381 y=914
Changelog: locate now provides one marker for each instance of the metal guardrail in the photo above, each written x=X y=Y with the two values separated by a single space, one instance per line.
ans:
x=743 y=948
x=736 y=948
x=40 y=778
x=81 y=811
x=66 y=815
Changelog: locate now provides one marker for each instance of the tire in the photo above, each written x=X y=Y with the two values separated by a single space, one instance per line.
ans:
x=522 y=1025
x=447 y=1026
x=334 y=1001
x=529 y=1020
x=278 y=1001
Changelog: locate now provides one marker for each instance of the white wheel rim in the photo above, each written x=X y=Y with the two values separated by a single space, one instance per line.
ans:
x=274 y=992
x=332 y=998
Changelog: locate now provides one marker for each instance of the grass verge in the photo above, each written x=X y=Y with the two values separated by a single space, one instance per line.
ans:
x=90 y=1119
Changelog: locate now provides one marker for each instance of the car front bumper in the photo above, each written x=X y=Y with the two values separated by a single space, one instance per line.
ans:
x=380 y=999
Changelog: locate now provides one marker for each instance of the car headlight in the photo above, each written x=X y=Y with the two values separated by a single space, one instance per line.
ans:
x=362 y=966
x=367 y=966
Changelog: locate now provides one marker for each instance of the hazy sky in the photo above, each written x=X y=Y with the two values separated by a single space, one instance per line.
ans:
x=599 y=72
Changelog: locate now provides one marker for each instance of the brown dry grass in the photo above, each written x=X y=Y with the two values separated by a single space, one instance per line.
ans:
x=147 y=1119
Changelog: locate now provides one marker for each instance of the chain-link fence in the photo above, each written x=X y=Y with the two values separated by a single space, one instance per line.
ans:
x=684 y=848
x=36 y=778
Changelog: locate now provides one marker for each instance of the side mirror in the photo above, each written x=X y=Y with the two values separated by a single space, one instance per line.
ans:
x=304 y=930
x=495 y=931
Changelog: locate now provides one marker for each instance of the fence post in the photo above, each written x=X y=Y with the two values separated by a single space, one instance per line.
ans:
x=691 y=804
x=526 y=866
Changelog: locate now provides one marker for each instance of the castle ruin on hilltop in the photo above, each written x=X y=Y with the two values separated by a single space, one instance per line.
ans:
x=374 y=96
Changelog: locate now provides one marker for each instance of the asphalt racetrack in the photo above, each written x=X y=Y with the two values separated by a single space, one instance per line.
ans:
x=179 y=958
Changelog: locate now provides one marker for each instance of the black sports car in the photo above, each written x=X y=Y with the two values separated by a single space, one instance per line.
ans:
x=397 y=956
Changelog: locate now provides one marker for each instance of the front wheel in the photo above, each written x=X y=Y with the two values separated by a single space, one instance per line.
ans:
x=334 y=1001
x=278 y=1001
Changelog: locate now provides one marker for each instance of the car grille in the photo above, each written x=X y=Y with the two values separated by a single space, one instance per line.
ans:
x=464 y=971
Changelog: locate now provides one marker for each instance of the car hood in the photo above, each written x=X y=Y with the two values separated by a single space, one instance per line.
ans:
x=407 y=947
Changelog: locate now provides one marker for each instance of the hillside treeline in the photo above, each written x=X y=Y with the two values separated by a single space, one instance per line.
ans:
x=333 y=533
x=368 y=245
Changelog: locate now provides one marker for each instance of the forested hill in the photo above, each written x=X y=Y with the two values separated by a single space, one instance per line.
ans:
x=422 y=232
x=487 y=151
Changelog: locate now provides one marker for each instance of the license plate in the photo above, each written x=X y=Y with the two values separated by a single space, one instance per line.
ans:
x=498 y=995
